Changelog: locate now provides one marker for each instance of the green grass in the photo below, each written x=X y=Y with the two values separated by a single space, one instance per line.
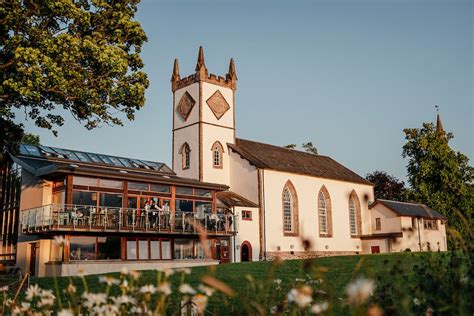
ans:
x=336 y=273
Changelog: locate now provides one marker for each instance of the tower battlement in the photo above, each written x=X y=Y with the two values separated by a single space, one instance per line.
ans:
x=201 y=74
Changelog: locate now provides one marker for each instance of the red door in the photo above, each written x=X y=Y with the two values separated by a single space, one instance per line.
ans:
x=375 y=249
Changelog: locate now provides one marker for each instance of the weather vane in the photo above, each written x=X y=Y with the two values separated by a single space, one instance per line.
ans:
x=437 y=108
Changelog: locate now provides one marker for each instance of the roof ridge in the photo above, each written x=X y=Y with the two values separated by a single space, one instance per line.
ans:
x=411 y=203
x=284 y=148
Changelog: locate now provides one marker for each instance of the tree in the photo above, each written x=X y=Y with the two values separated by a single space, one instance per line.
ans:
x=439 y=176
x=82 y=56
x=386 y=186
x=308 y=147
x=31 y=139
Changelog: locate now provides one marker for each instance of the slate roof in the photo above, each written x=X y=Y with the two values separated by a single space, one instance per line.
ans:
x=278 y=158
x=230 y=199
x=409 y=209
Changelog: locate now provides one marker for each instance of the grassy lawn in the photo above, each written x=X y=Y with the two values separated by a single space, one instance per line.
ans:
x=254 y=280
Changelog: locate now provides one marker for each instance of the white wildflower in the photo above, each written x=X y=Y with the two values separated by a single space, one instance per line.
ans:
x=300 y=280
x=164 y=288
x=187 y=289
x=94 y=299
x=200 y=301
x=206 y=290
x=124 y=271
x=32 y=292
x=109 y=280
x=135 y=274
x=319 y=308
x=124 y=300
x=277 y=281
x=416 y=301
x=136 y=310
x=359 y=291
x=65 y=312
x=71 y=289
x=273 y=310
x=148 y=289
x=300 y=296
x=4 y=288
x=47 y=298
x=167 y=271
x=124 y=284
x=25 y=306
x=59 y=240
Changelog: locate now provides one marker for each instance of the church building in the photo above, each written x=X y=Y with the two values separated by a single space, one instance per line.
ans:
x=224 y=199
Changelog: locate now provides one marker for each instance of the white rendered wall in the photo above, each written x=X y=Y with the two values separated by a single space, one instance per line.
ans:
x=243 y=177
x=193 y=117
x=211 y=134
x=307 y=189
x=248 y=230
x=190 y=135
x=208 y=89
x=381 y=243
x=390 y=222
x=435 y=237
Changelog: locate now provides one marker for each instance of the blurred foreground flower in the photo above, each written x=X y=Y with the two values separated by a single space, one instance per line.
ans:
x=301 y=296
x=358 y=291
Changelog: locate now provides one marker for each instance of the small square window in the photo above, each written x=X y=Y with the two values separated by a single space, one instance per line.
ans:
x=247 y=215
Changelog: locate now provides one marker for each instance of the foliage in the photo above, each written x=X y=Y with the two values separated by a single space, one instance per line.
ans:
x=80 y=56
x=31 y=139
x=439 y=176
x=357 y=285
x=308 y=147
x=386 y=186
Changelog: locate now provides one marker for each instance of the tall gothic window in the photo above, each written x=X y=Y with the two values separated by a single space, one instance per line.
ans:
x=324 y=213
x=217 y=151
x=287 y=211
x=323 y=216
x=352 y=216
x=290 y=210
x=186 y=153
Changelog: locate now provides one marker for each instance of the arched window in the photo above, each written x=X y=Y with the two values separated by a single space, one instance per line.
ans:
x=217 y=155
x=186 y=153
x=354 y=214
x=287 y=211
x=290 y=210
x=324 y=213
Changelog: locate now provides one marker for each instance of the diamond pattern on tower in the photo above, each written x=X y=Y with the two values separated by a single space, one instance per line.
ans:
x=185 y=105
x=218 y=104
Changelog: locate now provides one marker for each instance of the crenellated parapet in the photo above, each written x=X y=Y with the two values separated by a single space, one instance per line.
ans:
x=202 y=74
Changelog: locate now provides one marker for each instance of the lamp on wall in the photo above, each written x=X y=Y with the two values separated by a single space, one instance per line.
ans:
x=237 y=247
x=327 y=247
x=292 y=246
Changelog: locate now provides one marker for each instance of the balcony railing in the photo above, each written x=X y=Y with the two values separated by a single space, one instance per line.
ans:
x=55 y=217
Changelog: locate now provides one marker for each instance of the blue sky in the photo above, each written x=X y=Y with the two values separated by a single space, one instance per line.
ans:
x=346 y=75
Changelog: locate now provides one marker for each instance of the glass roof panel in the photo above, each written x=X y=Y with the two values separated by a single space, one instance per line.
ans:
x=60 y=151
x=48 y=150
x=126 y=162
x=115 y=161
x=83 y=156
x=71 y=155
x=106 y=159
x=166 y=169
x=95 y=158
x=23 y=150
x=33 y=150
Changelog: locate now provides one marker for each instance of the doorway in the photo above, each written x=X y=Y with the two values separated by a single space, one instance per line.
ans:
x=245 y=252
x=375 y=249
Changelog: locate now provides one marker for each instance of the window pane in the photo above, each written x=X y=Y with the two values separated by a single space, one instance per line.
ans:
x=183 y=249
x=84 y=198
x=104 y=183
x=108 y=248
x=138 y=186
x=202 y=192
x=184 y=190
x=202 y=208
x=201 y=250
x=82 y=248
x=165 y=249
x=84 y=181
x=160 y=188
x=143 y=249
x=184 y=205
x=155 y=249
x=111 y=200
x=131 y=250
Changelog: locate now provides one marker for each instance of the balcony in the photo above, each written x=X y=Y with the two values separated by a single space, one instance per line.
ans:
x=83 y=218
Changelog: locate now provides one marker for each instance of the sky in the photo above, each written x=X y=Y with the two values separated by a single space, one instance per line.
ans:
x=348 y=76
